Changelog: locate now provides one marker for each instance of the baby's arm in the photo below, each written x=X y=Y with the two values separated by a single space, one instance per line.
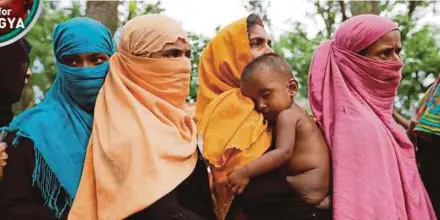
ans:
x=285 y=129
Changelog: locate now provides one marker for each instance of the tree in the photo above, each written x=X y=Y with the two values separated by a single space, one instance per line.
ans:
x=260 y=8
x=136 y=8
x=198 y=43
x=365 y=7
x=297 y=49
x=104 y=11
x=327 y=11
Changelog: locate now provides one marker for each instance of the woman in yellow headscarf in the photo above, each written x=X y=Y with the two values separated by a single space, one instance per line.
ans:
x=233 y=133
x=142 y=160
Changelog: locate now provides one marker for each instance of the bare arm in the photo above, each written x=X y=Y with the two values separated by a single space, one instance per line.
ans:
x=285 y=141
x=285 y=133
x=400 y=119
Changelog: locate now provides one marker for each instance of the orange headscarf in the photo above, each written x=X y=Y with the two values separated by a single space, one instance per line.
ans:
x=143 y=142
x=234 y=134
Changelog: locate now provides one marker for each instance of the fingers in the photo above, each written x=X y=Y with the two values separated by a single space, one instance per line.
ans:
x=412 y=125
x=235 y=189
x=289 y=179
x=240 y=190
x=230 y=186
x=3 y=158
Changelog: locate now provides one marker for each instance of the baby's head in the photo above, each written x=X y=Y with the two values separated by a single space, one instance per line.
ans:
x=268 y=81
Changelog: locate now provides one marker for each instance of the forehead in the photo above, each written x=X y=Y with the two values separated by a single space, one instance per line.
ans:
x=391 y=38
x=257 y=31
x=262 y=77
x=85 y=55
x=179 y=44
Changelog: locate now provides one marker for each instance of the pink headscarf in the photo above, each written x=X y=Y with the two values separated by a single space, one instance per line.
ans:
x=374 y=169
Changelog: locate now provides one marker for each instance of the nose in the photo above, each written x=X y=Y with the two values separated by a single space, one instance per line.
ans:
x=267 y=49
x=87 y=63
x=395 y=57
x=28 y=72
x=28 y=75
x=261 y=106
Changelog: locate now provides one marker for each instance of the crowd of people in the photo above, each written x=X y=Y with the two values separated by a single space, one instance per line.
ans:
x=113 y=138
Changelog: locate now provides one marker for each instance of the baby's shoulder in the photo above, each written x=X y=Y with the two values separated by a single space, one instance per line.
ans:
x=290 y=116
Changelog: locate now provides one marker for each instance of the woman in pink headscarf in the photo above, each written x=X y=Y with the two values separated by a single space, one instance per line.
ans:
x=353 y=81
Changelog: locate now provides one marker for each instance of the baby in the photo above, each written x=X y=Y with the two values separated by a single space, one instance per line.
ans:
x=300 y=147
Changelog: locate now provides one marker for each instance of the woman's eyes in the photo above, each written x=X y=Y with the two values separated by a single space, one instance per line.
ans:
x=97 y=60
x=70 y=61
x=177 y=53
x=258 y=42
x=255 y=43
x=173 y=53
x=388 y=53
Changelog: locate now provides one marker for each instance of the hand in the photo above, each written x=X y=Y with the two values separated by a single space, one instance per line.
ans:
x=238 y=180
x=3 y=155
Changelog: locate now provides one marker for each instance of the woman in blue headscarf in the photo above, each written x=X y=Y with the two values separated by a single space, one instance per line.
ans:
x=48 y=142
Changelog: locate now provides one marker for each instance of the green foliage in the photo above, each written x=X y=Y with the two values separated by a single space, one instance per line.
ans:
x=422 y=59
x=298 y=51
x=259 y=7
x=327 y=11
x=136 y=8
x=197 y=43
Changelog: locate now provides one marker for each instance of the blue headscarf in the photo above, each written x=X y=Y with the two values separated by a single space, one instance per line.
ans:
x=61 y=124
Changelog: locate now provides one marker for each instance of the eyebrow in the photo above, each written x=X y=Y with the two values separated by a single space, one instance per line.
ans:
x=388 y=47
x=93 y=54
x=256 y=38
x=264 y=90
x=173 y=50
x=70 y=56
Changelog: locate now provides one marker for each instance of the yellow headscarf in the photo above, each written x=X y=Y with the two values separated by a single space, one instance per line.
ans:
x=143 y=142
x=234 y=134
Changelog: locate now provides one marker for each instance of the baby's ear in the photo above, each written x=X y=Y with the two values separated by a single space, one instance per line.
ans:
x=293 y=86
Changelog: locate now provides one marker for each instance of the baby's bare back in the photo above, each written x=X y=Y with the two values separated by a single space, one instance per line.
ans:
x=308 y=169
x=310 y=146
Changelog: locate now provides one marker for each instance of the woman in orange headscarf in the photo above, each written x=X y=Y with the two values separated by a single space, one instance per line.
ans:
x=233 y=133
x=142 y=160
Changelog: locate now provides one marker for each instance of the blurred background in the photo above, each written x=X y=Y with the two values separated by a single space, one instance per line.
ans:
x=296 y=27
